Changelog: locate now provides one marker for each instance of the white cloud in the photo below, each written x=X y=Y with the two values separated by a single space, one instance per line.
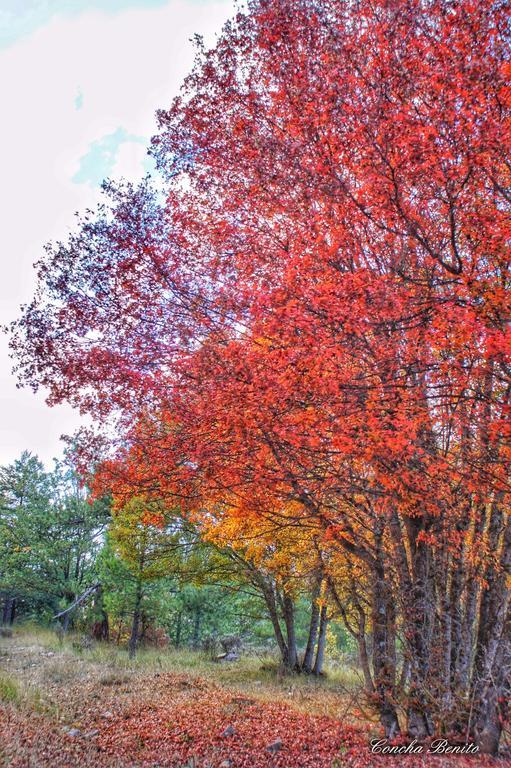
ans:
x=121 y=68
x=130 y=161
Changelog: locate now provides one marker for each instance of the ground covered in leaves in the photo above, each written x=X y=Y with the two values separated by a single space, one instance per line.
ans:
x=59 y=708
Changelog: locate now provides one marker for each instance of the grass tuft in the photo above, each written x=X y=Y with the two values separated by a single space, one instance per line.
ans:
x=9 y=691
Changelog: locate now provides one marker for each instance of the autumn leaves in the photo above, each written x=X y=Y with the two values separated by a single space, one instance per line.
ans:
x=316 y=319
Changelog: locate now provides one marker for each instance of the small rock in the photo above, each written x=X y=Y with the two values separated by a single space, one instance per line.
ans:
x=229 y=731
x=227 y=657
x=91 y=734
x=226 y=764
x=275 y=747
x=107 y=715
x=73 y=732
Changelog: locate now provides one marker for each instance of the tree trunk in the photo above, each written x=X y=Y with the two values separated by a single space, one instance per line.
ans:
x=105 y=627
x=358 y=633
x=9 y=611
x=320 y=653
x=465 y=649
x=405 y=674
x=101 y=628
x=492 y=665
x=364 y=662
x=144 y=626
x=179 y=623
x=383 y=666
x=269 y=598
x=132 y=644
x=442 y=652
x=419 y=620
x=119 y=630
x=66 y=622
x=291 y=660
x=313 y=630
x=464 y=642
x=196 y=627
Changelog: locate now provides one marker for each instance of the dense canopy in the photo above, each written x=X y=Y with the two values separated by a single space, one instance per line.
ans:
x=306 y=327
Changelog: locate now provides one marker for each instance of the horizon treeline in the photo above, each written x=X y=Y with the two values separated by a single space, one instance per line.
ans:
x=140 y=583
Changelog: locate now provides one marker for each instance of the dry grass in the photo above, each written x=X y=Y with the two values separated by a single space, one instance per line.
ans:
x=9 y=690
x=46 y=669
x=260 y=677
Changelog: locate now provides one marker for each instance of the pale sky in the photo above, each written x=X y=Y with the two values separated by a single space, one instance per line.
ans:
x=79 y=85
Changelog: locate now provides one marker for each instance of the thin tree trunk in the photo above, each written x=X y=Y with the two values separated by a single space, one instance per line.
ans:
x=132 y=644
x=9 y=611
x=364 y=662
x=446 y=589
x=384 y=671
x=196 y=627
x=102 y=628
x=66 y=622
x=291 y=661
x=320 y=653
x=420 y=627
x=359 y=634
x=464 y=641
x=313 y=629
x=465 y=655
x=390 y=640
x=405 y=674
x=177 y=641
x=269 y=598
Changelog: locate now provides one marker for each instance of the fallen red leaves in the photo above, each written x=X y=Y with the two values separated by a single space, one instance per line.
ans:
x=204 y=726
x=218 y=729
x=196 y=731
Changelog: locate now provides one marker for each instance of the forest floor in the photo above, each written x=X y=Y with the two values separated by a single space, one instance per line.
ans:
x=62 y=707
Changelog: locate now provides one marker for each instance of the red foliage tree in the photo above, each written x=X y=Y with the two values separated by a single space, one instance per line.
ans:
x=318 y=312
